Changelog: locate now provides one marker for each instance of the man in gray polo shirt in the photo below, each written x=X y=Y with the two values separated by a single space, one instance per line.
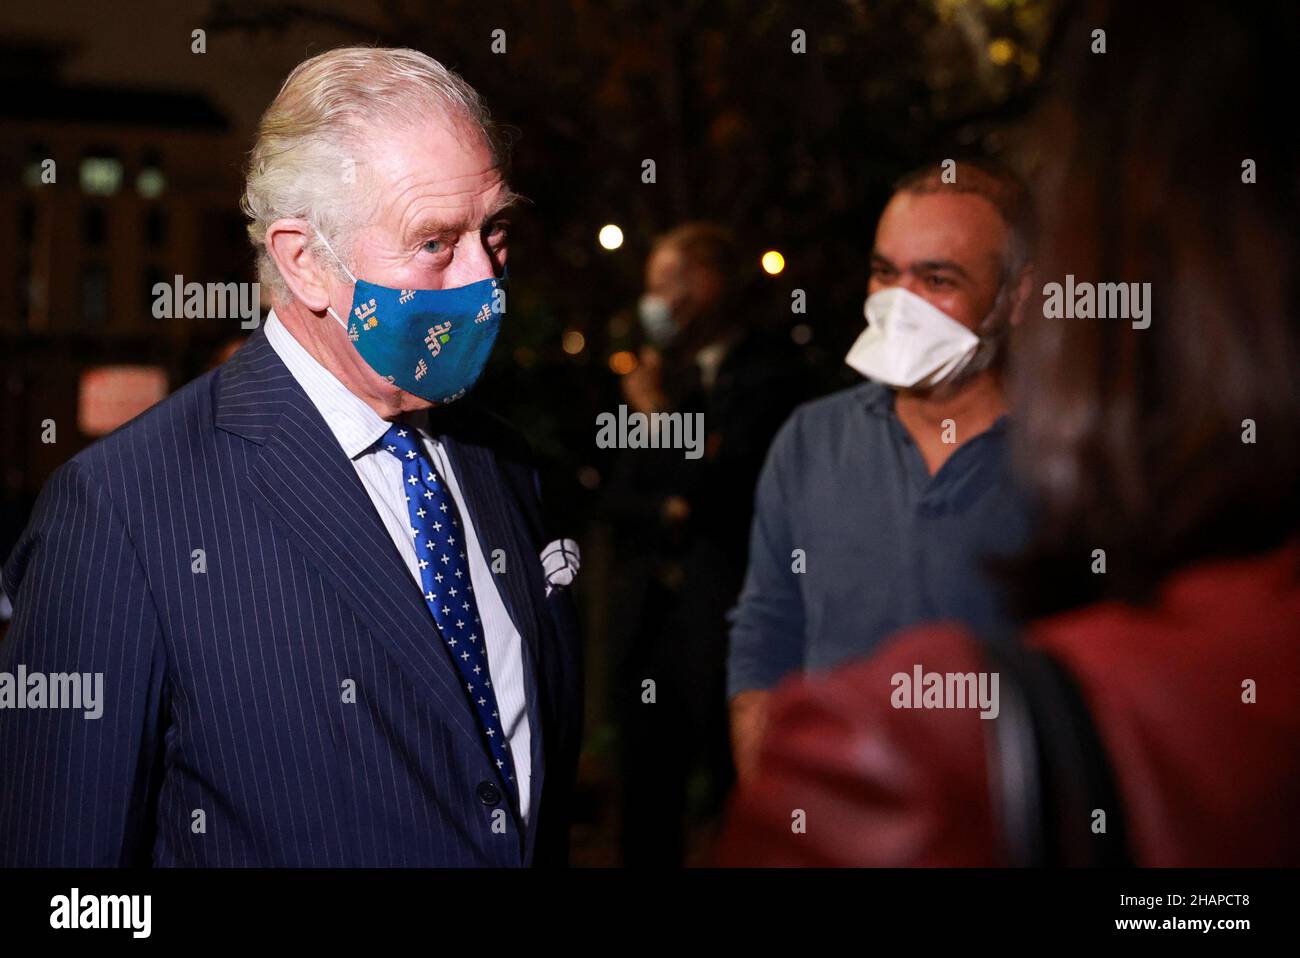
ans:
x=879 y=505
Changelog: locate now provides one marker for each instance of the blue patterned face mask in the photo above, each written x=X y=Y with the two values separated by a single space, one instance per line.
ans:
x=433 y=343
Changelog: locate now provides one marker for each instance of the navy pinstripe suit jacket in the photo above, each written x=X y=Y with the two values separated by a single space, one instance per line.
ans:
x=227 y=737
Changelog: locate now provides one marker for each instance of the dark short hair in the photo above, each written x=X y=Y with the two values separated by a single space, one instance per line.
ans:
x=1005 y=190
x=1131 y=439
x=705 y=244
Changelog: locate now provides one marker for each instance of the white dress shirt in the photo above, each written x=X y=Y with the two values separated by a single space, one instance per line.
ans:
x=358 y=428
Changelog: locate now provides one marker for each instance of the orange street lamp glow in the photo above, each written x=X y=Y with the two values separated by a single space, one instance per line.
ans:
x=622 y=362
x=574 y=342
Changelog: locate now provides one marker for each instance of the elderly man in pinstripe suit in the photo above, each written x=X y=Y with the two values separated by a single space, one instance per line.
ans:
x=310 y=579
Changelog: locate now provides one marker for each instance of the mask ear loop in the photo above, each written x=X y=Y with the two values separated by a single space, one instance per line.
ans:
x=330 y=309
x=992 y=332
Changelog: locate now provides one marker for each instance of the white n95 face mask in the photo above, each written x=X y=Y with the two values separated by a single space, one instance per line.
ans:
x=656 y=319
x=909 y=342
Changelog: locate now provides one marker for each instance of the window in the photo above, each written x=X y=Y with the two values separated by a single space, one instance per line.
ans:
x=26 y=224
x=23 y=287
x=150 y=181
x=101 y=175
x=94 y=226
x=34 y=169
x=94 y=295
x=152 y=277
x=155 y=226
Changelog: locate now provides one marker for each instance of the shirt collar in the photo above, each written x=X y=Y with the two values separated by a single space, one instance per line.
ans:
x=878 y=399
x=354 y=424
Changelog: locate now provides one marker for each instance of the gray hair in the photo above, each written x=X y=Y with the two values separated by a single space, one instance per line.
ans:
x=308 y=159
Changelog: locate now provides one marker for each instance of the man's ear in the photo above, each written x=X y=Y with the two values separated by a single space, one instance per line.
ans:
x=1022 y=292
x=288 y=241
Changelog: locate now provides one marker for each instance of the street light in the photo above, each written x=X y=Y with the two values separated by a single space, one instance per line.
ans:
x=773 y=262
x=611 y=237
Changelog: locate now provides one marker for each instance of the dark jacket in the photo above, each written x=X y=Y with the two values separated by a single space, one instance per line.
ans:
x=224 y=689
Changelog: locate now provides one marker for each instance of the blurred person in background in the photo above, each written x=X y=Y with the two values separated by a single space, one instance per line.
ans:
x=878 y=504
x=1171 y=450
x=681 y=530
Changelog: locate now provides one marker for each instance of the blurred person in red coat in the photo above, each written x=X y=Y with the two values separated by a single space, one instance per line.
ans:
x=1152 y=715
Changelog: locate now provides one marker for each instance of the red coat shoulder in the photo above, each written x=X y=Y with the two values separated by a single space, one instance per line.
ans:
x=849 y=776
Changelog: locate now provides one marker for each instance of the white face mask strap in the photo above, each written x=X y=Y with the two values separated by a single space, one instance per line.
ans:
x=330 y=309
x=335 y=255
x=990 y=326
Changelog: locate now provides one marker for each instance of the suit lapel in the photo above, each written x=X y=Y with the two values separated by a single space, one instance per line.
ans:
x=307 y=486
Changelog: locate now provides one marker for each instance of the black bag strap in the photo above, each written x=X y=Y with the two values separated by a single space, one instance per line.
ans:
x=1049 y=772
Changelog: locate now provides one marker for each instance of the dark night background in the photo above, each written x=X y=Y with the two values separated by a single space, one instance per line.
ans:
x=794 y=151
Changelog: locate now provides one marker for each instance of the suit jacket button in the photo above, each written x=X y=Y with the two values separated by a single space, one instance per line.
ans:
x=488 y=793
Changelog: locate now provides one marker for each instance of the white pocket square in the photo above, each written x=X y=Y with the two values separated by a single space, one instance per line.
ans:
x=560 y=563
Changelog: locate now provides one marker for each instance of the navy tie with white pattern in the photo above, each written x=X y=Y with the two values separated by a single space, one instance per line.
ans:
x=444 y=572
